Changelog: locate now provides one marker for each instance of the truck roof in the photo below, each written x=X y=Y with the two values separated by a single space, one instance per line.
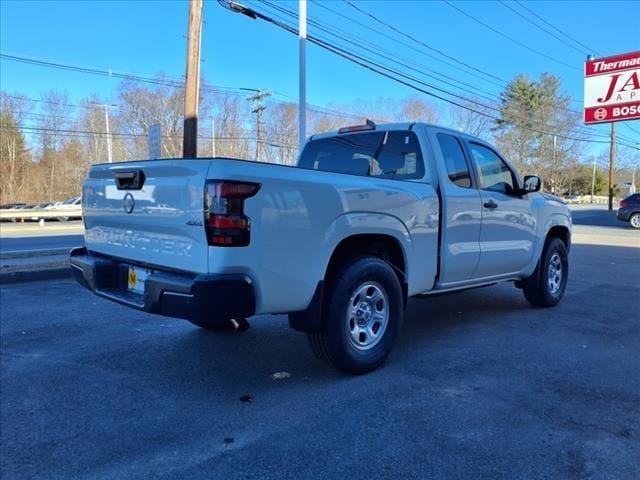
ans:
x=398 y=126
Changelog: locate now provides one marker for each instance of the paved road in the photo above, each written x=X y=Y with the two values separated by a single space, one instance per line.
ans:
x=479 y=385
x=29 y=236
x=40 y=243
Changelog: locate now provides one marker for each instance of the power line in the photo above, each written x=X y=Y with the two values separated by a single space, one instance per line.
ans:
x=588 y=49
x=410 y=37
x=396 y=29
x=171 y=83
x=50 y=102
x=389 y=73
x=391 y=56
x=166 y=81
x=511 y=39
x=91 y=133
x=505 y=5
x=358 y=43
x=472 y=101
x=412 y=47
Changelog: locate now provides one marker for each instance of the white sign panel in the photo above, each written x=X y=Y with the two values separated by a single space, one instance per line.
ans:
x=612 y=88
x=155 y=141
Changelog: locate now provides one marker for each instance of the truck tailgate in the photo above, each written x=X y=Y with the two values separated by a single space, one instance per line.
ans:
x=149 y=212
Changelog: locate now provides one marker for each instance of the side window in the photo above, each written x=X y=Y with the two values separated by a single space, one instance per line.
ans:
x=493 y=172
x=457 y=167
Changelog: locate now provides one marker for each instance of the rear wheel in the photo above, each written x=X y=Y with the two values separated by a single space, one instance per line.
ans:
x=634 y=220
x=545 y=288
x=362 y=315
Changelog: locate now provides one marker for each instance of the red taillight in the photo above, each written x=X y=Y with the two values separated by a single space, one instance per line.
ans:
x=227 y=225
x=623 y=203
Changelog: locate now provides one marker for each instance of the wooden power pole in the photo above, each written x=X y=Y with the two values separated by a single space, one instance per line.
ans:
x=612 y=160
x=192 y=83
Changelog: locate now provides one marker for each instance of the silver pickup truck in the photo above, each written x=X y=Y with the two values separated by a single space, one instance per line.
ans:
x=370 y=216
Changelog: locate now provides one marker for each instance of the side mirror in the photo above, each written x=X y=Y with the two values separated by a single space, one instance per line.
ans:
x=532 y=183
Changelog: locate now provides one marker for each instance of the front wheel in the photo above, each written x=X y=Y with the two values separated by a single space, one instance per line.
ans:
x=362 y=313
x=634 y=220
x=545 y=288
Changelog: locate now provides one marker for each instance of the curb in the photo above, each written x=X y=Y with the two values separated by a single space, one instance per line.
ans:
x=35 y=275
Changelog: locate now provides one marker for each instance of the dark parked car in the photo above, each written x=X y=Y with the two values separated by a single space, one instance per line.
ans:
x=629 y=210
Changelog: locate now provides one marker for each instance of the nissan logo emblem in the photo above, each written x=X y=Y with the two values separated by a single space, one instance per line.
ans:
x=128 y=203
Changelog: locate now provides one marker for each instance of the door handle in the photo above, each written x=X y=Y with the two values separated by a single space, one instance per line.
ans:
x=491 y=205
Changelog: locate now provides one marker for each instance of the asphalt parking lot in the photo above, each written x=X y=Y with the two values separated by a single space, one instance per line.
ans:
x=479 y=386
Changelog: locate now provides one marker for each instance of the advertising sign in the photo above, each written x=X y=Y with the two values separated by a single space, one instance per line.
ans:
x=612 y=88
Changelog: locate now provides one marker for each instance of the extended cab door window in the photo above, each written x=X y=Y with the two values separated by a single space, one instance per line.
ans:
x=457 y=168
x=393 y=154
x=493 y=173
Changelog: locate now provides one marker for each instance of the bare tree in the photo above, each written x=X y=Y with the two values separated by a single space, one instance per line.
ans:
x=468 y=121
x=54 y=132
x=14 y=157
x=281 y=133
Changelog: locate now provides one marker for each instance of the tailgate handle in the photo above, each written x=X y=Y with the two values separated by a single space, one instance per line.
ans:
x=129 y=180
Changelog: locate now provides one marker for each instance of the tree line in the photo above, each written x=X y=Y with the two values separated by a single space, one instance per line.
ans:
x=48 y=144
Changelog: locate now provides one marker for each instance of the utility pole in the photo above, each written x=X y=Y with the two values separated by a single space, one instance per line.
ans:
x=192 y=84
x=553 y=168
x=612 y=159
x=302 y=60
x=257 y=107
x=106 y=121
x=593 y=177
x=213 y=137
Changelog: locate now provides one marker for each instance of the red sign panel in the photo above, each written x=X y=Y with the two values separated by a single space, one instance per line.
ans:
x=612 y=88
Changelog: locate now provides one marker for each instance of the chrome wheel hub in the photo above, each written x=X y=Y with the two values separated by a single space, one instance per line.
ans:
x=367 y=315
x=554 y=278
x=635 y=221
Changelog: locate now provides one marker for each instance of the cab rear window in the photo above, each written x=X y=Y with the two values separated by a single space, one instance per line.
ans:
x=394 y=154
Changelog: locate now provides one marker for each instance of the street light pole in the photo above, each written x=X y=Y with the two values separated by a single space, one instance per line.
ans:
x=593 y=177
x=612 y=160
x=302 y=60
x=213 y=137
x=106 y=121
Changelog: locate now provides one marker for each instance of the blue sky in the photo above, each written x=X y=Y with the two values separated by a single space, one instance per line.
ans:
x=147 y=37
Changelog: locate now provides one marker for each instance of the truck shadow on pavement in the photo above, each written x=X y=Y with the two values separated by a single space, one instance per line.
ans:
x=90 y=378
x=475 y=322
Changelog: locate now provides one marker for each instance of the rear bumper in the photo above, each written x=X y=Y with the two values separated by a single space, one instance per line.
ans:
x=192 y=297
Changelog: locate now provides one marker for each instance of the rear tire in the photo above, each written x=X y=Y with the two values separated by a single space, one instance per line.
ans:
x=546 y=287
x=634 y=221
x=362 y=312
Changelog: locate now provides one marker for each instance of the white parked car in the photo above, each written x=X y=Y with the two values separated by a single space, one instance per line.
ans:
x=71 y=206
x=370 y=216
